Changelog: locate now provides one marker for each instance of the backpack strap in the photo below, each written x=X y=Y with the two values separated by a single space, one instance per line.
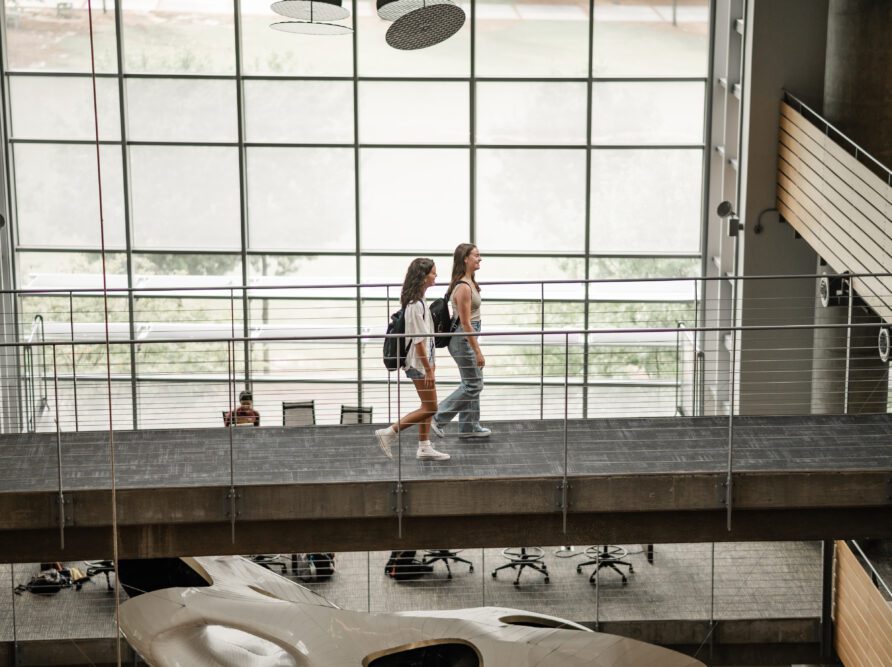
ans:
x=449 y=293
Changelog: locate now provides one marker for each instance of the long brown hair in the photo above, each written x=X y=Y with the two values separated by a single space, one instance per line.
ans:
x=462 y=250
x=413 y=284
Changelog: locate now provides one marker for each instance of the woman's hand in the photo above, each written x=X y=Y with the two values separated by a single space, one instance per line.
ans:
x=429 y=381
x=481 y=360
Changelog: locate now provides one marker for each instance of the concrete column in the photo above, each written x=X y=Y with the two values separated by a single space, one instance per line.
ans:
x=858 y=73
x=858 y=101
x=829 y=361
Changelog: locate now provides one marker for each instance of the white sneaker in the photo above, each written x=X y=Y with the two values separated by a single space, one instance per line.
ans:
x=428 y=453
x=437 y=430
x=385 y=437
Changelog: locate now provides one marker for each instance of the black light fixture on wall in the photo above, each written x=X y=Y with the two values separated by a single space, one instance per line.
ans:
x=312 y=17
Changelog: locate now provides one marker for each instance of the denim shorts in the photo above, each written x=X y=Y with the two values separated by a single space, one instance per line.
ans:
x=414 y=374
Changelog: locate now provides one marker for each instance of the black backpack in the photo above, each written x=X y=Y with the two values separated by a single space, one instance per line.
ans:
x=444 y=323
x=403 y=566
x=323 y=565
x=395 y=348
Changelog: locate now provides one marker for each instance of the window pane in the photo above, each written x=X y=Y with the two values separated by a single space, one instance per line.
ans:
x=377 y=58
x=272 y=52
x=647 y=113
x=646 y=200
x=414 y=199
x=531 y=200
x=181 y=110
x=417 y=112
x=70 y=270
x=62 y=108
x=185 y=197
x=392 y=270
x=57 y=196
x=186 y=270
x=52 y=38
x=301 y=198
x=644 y=267
x=532 y=38
x=531 y=113
x=300 y=269
x=299 y=111
x=160 y=38
x=635 y=39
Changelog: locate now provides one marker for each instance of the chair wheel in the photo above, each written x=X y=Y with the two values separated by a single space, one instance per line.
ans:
x=547 y=580
x=471 y=569
x=578 y=570
x=625 y=581
x=631 y=569
x=517 y=583
x=449 y=576
x=493 y=574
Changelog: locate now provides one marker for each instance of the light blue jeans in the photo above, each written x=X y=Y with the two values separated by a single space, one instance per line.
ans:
x=465 y=400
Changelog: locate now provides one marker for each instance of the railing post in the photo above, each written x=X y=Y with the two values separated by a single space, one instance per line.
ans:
x=73 y=359
x=398 y=491
x=678 y=408
x=564 y=484
x=387 y=319
x=849 y=318
x=232 y=496
x=597 y=587
x=542 y=350
x=61 y=497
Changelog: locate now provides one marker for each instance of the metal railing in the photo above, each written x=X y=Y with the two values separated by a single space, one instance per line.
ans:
x=839 y=136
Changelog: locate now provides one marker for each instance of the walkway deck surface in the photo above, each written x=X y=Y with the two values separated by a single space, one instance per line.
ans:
x=638 y=480
x=278 y=455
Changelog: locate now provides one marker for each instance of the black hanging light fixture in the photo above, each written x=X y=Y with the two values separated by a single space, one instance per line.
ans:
x=391 y=10
x=312 y=17
x=418 y=24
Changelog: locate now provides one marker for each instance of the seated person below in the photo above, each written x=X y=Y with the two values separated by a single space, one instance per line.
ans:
x=245 y=414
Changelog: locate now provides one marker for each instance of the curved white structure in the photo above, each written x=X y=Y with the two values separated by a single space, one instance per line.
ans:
x=251 y=617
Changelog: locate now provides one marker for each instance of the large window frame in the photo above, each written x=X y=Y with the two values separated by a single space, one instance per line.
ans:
x=246 y=253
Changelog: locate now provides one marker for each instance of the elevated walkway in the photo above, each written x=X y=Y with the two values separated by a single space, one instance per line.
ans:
x=534 y=482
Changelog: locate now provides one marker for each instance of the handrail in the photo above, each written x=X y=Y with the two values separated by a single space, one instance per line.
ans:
x=874 y=575
x=477 y=334
x=346 y=286
x=859 y=151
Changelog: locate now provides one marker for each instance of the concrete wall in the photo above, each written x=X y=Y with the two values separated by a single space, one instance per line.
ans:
x=785 y=48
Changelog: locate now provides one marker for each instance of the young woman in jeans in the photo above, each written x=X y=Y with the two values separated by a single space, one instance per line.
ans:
x=464 y=293
x=419 y=364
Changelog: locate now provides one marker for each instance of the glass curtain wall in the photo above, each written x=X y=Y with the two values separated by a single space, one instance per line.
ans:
x=565 y=138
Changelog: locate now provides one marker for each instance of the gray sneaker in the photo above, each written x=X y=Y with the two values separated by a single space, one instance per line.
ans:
x=437 y=430
x=477 y=432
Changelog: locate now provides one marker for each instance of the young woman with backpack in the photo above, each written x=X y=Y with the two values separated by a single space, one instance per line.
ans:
x=464 y=293
x=419 y=364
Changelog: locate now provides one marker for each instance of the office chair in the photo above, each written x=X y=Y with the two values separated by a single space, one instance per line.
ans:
x=355 y=415
x=431 y=556
x=608 y=556
x=105 y=567
x=521 y=557
x=300 y=413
